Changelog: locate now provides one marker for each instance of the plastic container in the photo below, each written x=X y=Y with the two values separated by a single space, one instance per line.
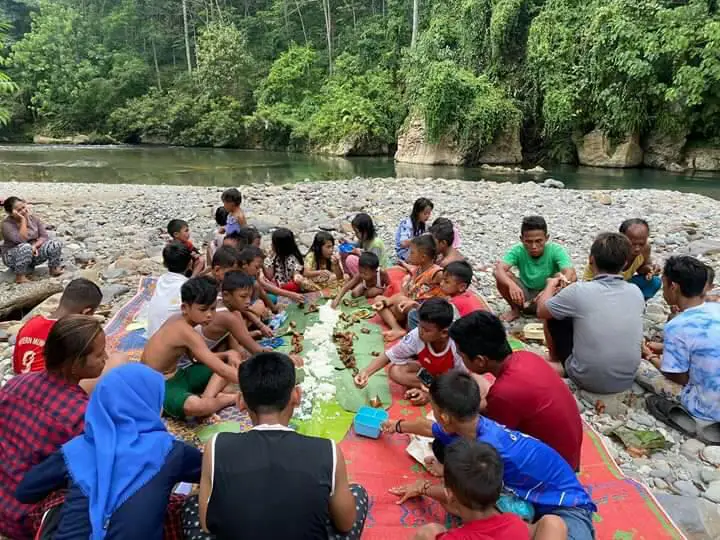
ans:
x=368 y=421
x=345 y=247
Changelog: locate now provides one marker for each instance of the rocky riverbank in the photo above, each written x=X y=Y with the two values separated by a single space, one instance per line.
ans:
x=115 y=233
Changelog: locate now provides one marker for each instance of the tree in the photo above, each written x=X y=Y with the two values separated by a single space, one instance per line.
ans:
x=415 y=22
x=7 y=87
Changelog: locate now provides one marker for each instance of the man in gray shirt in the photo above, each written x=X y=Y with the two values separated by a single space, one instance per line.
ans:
x=595 y=328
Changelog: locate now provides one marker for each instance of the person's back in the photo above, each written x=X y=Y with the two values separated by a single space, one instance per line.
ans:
x=165 y=300
x=692 y=344
x=271 y=483
x=607 y=332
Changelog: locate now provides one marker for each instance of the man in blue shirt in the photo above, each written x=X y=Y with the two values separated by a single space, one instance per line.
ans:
x=532 y=470
x=691 y=352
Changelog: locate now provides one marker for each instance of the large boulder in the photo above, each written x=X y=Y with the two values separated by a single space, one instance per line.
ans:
x=413 y=147
x=595 y=149
x=702 y=159
x=663 y=151
x=354 y=146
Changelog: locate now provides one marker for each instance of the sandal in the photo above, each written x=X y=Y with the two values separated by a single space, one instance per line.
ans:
x=677 y=417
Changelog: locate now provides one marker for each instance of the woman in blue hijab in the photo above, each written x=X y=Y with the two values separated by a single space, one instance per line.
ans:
x=124 y=466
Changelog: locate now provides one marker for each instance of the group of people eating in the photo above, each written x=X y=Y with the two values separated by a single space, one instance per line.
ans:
x=86 y=452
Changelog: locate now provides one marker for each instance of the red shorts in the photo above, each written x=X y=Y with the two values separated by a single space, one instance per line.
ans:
x=290 y=286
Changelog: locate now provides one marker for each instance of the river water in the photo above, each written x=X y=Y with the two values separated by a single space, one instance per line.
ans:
x=220 y=167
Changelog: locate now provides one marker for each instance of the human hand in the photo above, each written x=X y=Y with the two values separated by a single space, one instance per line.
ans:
x=335 y=303
x=275 y=308
x=556 y=282
x=234 y=358
x=297 y=297
x=388 y=426
x=416 y=396
x=655 y=270
x=380 y=303
x=35 y=250
x=266 y=331
x=361 y=379
x=416 y=489
x=19 y=214
x=517 y=295
x=297 y=360
x=407 y=305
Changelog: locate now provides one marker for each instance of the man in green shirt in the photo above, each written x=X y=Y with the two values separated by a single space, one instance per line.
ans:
x=536 y=260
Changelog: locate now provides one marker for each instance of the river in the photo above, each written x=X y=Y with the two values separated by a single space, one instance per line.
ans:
x=220 y=167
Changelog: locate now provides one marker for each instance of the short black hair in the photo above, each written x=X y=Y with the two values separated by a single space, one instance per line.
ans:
x=239 y=240
x=176 y=257
x=425 y=244
x=533 y=223
x=249 y=254
x=610 y=251
x=237 y=280
x=250 y=234
x=473 y=471
x=266 y=381
x=368 y=260
x=225 y=257
x=437 y=311
x=221 y=216
x=460 y=270
x=231 y=195
x=711 y=275
x=443 y=231
x=625 y=225
x=201 y=290
x=9 y=203
x=175 y=226
x=690 y=274
x=481 y=334
x=457 y=394
x=81 y=294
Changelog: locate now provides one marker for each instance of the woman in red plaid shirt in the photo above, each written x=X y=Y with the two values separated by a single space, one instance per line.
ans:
x=41 y=411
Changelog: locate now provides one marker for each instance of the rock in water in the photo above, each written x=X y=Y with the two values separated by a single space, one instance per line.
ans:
x=552 y=183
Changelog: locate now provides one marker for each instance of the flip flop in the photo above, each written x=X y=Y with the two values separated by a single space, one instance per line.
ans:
x=273 y=342
x=673 y=415
x=534 y=332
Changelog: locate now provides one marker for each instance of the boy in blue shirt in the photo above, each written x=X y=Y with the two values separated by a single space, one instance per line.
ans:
x=691 y=352
x=532 y=470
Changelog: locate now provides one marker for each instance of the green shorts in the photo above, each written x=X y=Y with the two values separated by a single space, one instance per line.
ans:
x=189 y=381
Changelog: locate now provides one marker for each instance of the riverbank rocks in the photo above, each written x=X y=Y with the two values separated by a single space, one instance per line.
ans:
x=596 y=149
x=413 y=147
x=663 y=151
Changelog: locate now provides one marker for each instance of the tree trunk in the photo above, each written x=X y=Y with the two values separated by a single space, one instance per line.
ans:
x=415 y=23
x=302 y=22
x=157 y=67
x=328 y=33
x=187 y=36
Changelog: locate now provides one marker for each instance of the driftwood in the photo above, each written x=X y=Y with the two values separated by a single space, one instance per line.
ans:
x=28 y=296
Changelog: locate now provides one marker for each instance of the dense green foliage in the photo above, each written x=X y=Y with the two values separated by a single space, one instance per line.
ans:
x=309 y=74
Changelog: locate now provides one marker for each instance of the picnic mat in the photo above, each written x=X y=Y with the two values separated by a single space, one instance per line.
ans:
x=626 y=509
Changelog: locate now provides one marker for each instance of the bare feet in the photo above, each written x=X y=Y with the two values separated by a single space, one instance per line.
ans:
x=434 y=467
x=393 y=335
x=511 y=315
x=56 y=272
x=21 y=278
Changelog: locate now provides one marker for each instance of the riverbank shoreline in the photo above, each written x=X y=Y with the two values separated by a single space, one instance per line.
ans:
x=114 y=233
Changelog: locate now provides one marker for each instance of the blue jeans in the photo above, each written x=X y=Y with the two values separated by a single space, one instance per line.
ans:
x=412 y=320
x=578 y=521
x=649 y=287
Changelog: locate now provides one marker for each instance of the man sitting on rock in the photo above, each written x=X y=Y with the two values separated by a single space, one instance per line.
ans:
x=536 y=260
x=594 y=329
x=691 y=353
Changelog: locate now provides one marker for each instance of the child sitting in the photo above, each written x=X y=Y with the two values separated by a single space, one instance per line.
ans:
x=165 y=300
x=473 y=482
x=428 y=347
x=368 y=240
x=224 y=260
x=195 y=377
x=412 y=226
x=532 y=470
x=422 y=283
x=370 y=281
x=80 y=297
x=232 y=199
x=285 y=266
x=237 y=288
x=536 y=260
x=252 y=261
x=322 y=264
x=455 y=284
x=179 y=230
x=246 y=236
x=221 y=220
x=443 y=232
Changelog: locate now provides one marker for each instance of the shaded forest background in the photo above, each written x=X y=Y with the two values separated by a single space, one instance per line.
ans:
x=308 y=74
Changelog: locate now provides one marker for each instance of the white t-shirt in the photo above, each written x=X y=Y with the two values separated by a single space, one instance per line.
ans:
x=165 y=301
x=412 y=348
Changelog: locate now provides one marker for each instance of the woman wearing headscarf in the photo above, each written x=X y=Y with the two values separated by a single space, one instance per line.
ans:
x=123 y=467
